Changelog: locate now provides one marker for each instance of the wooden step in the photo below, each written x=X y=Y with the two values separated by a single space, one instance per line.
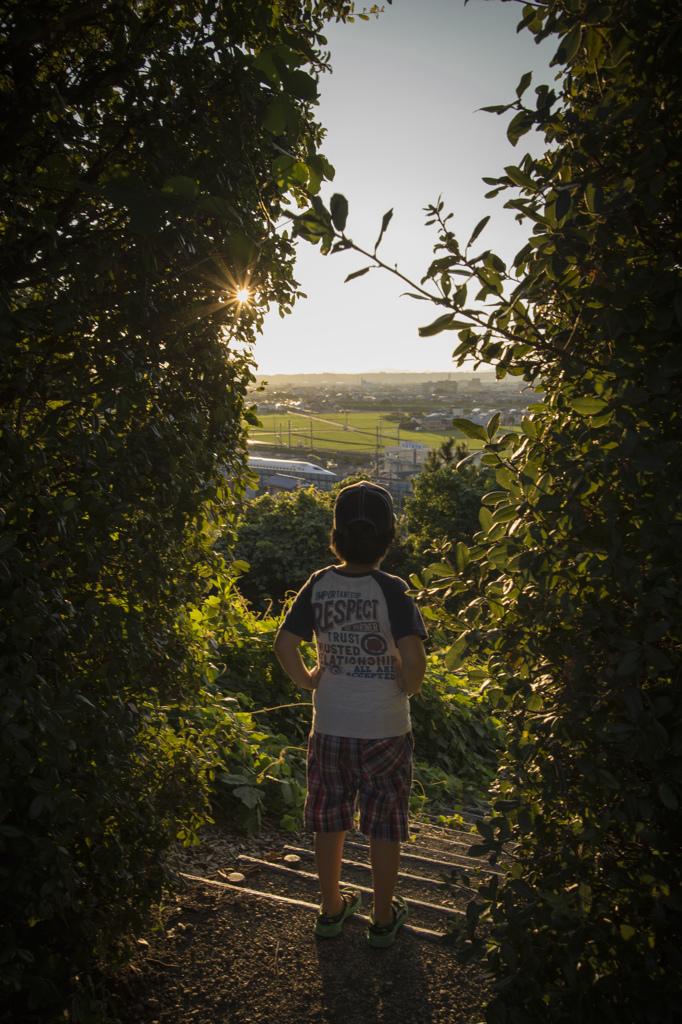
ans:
x=433 y=854
x=366 y=890
x=421 y=933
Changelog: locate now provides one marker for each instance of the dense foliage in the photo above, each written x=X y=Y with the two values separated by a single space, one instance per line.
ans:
x=580 y=634
x=570 y=595
x=445 y=506
x=147 y=151
x=283 y=538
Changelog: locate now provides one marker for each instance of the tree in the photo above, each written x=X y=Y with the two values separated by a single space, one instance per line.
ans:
x=445 y=505
x=444 y=455
x=283 y=538
x=148 y=151
x=571 y=590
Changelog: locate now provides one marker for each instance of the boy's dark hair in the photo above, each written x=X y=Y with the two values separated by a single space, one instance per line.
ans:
x=360 y=542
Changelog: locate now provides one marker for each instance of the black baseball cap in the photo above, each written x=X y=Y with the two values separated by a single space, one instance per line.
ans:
x=364 y=502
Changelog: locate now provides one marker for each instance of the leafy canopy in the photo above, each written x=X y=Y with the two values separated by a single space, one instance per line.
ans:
x=148 y=151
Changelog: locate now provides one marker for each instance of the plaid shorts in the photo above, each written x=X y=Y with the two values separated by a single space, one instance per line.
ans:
x=343 y=770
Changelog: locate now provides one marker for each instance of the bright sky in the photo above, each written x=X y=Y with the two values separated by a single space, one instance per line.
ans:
x=401 y=113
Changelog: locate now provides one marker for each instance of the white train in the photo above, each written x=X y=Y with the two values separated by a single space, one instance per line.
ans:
x=322 y=478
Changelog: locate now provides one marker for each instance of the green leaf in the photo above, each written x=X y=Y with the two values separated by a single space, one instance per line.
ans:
x=462 y=556
x=276 y=116
x=563 y=203
x=454 y=656
x=438 y=325
x=264 y=62
x=440 y=569
x=492 y=425
x=477 y=230
x=601 y=419
x=621 y=50
x=520 y=178
x=594 y=197
x=524 y=83
x=249 y=795
x=505 y=477
x=37 y=806
x=299 y=85
x=485 y=519
x=629 y=663
x=570 y=45
x=357 y=273
x=522 y=888
x=518 y=126
x=10 y=832
x=181 y=186
x=339 y=211
x=386 y=220
x=588 y=406
x=505 y=513
x=288 y=171
x=528 y=427
x=473 y=430
x=319 y=170
x=668 y=796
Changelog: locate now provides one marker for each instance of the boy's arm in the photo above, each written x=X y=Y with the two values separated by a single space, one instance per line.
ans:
x=289 y=656
x=413 y=668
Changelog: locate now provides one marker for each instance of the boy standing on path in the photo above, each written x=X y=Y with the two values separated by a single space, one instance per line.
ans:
x=370 y=658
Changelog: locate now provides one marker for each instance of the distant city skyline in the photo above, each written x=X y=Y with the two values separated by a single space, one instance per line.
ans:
x=371 y=375
x=402 y=114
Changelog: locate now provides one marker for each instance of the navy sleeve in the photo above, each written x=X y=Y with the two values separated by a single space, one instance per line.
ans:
x=403 y=614
x=299 y=619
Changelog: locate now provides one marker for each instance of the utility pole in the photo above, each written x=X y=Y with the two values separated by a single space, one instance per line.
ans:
x=289 y=424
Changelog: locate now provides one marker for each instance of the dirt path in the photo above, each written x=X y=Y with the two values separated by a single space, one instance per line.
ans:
x=223 y=956
x=238 y=959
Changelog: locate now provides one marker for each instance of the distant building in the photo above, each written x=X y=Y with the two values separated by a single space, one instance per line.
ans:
x=447 y=387
x=436 y=421
x=405 y=459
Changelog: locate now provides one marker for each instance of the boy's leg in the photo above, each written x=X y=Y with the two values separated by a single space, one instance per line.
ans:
x=384 y=812
x=328 y=855
x=385 y=858
x=329 y=811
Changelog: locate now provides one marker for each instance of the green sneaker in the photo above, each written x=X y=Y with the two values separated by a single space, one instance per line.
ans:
x=329 y=925
x=383 y=935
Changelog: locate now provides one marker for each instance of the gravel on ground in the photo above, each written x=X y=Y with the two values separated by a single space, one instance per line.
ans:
x=222 y=956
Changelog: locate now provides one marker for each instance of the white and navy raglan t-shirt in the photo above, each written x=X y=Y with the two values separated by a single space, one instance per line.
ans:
x=357 y=621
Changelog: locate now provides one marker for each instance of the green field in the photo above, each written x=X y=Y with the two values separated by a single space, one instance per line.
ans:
x=365 y=432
